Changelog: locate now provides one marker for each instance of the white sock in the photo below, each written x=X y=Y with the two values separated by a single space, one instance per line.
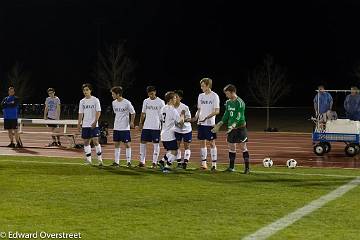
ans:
x=142 y=152
x=128 y=154
x=245 y=149
x=98 y=152
x=178 y=156
x=171 y=157
x=87 y=150
x=203 y=153
x=213 y=152
x=187 y=154
x=117 y=155
x=156 y=152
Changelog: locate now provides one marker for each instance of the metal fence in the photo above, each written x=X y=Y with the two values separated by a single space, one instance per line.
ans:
x=281 y=118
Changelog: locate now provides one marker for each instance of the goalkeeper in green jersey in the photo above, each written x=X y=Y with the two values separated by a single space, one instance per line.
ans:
x=234 y=118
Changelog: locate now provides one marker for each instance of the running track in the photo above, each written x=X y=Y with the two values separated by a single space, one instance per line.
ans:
x=279 y=146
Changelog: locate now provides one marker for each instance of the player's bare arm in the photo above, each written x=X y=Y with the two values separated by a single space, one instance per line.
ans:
x=132 y=120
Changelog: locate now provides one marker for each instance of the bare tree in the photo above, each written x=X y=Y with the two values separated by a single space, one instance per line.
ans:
x=114 y=67
x=268 y=84
x=20 y=79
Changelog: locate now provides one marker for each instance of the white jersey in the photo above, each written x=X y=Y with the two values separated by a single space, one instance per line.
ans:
x=152 y=109
x=169 y=117
x=89 y=107
x=186 y=128
x=207 y=103
x=122 y=110
x=52 y=104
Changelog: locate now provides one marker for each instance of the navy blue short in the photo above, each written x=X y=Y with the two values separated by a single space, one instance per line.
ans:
x=170 y=145
x=186 y=137
x=149 y=135
x=88 y=132
x=204 y=133
x=121 y=136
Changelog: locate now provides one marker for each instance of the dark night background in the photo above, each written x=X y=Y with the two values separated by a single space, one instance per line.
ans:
x=176 y=43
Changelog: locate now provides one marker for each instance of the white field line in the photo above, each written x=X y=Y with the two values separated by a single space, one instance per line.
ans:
x=284 y=222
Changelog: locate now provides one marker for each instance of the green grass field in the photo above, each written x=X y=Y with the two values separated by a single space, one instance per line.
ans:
x=62 y=195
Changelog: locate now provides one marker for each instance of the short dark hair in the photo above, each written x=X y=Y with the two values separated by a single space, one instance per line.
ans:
x=117 y=90
x=51 y=90
x=150 y=89
x=169 y=95
x=88 y=85
x=12 y=87
x=230 y=88
x=179 y=92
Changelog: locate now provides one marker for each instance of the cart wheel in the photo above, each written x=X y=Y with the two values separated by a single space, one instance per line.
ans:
x=319 y=149
x=350 y=150
x=327 y=147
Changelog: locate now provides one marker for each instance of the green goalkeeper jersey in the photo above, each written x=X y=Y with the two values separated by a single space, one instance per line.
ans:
x=234 y=113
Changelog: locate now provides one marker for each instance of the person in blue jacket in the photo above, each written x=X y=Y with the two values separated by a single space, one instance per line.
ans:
x=10 y=106
x=352 y=104
x=322 y=101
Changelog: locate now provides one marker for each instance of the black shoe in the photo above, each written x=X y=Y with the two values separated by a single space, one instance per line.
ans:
x=247 y=171
x=161 y=164
x=53 y=144
x=128 y=165
x=11 y=145
x=179 y=165
x=213 y=169
x=184 y=165
x=114 y=164
x=141 y=165
x=154 y=165
x=19 y=145
x=59 y=144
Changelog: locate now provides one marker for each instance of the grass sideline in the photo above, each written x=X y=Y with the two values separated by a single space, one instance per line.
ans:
x=62 y=195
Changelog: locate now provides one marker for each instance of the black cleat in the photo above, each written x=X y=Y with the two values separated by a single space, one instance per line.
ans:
x=213 y=169
x=141 y=165
x=11 y=145
x=114 y=164
x=53 y=144
x=179 y=165
x=154 y=165
x=128 y=165
x=184 y=165
x=59 y=144
x=246 y=171
x=19 y=145
x=161 y=164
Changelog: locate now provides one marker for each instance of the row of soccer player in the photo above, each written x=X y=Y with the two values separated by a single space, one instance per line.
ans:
x=168 y=122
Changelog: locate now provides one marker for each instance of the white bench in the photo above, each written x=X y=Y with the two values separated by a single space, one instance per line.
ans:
x=64 y=123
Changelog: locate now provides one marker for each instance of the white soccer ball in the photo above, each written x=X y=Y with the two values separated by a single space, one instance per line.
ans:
x=291 y=163
x=267 y=162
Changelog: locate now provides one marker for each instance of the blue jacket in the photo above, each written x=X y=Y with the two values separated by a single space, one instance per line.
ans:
x=352 y=107
x=10 y=106
x=325 y=102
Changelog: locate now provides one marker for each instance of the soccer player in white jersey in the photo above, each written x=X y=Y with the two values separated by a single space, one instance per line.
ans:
x=208 y=107
x=183 y=133
x=122 y=109
x=169 y=118
x=89 y=114
x=52 y=112
x=150 y=125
